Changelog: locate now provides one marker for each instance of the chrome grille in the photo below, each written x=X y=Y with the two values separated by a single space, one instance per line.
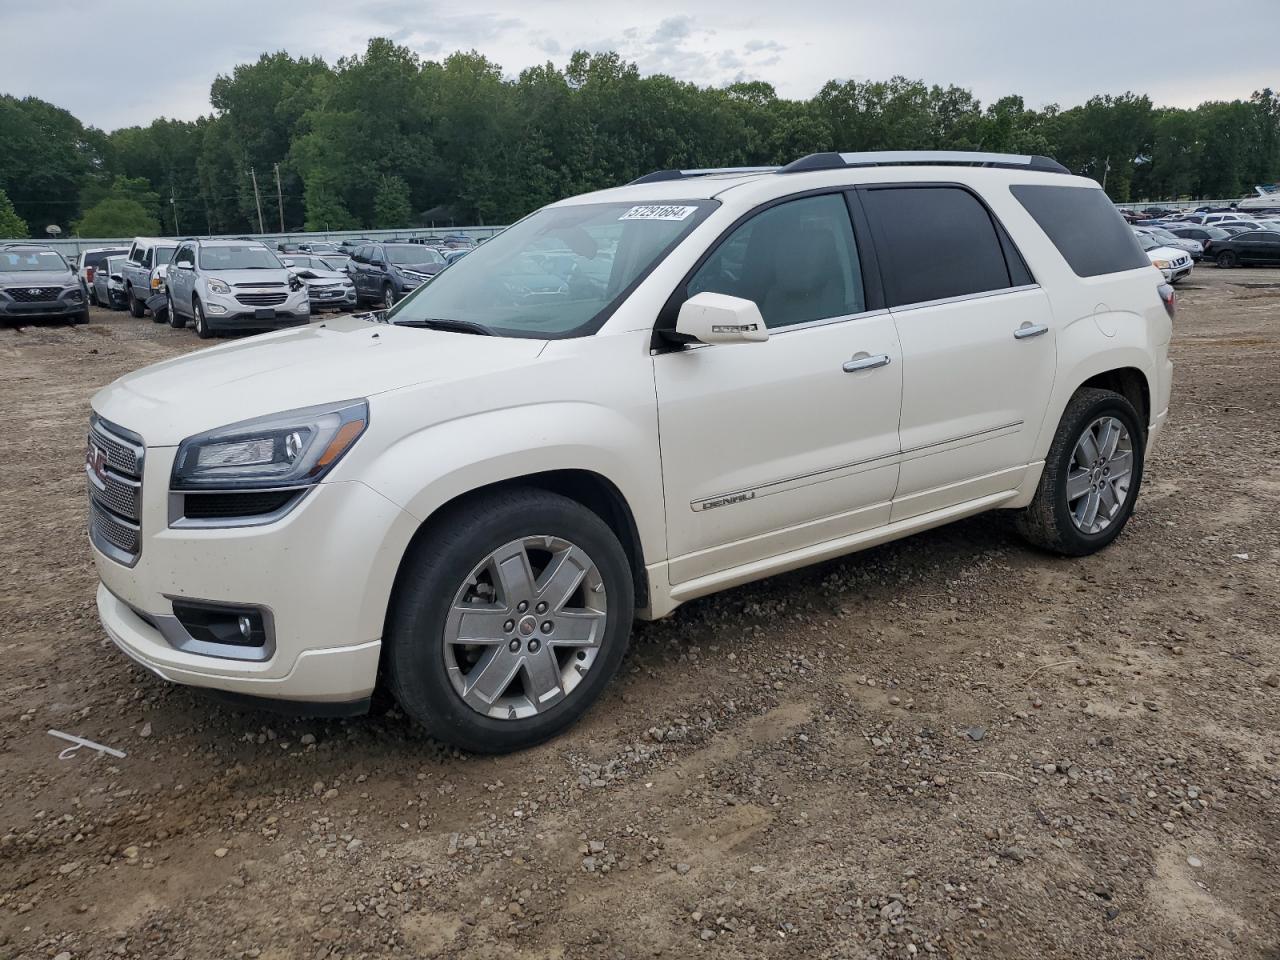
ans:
x=33 y=294
x=113 y=470
x=262 y=299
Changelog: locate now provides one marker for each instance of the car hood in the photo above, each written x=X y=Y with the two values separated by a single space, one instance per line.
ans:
x=313 y=275
x=340 y=359
x=1165 y=253
x=36 y=278
x=429 y=268
x=250 y=277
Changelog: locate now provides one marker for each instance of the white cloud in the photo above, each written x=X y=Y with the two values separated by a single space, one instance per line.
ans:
x=994 y=47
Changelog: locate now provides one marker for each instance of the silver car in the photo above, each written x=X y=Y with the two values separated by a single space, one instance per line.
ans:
x=328 y=285
x=225 y=285
x=108 y=283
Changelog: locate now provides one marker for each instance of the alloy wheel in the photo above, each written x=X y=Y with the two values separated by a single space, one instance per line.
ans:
x=1099 y=475
x=525 y=627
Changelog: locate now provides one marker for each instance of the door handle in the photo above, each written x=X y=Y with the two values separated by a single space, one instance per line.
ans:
x=866 y=363
x=1027 y=331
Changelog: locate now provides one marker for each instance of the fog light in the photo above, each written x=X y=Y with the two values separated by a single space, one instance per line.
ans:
x=215 y=308
x=223 y=624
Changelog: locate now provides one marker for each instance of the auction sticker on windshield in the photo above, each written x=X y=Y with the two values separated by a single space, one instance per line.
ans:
x=657 y=212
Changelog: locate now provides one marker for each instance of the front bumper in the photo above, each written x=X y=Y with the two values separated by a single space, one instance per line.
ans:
x=330 y=298
x=228 y=312
x=61 y=308
x=324 y=572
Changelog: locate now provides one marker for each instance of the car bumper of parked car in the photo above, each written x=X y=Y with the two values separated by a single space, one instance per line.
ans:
x=332 y=300
x=63 y=307
x=313 y=646
x=247 y=310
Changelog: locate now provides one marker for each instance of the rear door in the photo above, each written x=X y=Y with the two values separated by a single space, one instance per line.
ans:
x=978 y=344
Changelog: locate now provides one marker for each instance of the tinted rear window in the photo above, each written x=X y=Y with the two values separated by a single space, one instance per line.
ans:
x=935 y=243
x=1085 y=227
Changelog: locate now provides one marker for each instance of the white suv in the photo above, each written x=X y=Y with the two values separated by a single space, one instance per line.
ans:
x=226 y=285
x=627 y=400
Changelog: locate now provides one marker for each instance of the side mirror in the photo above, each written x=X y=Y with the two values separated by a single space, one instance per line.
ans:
x=184 y=265
x=720 y=318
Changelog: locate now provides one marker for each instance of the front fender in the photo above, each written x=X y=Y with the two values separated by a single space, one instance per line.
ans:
x=429 y=467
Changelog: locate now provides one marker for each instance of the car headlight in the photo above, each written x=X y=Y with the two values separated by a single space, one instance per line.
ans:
x=157 y=282
x=218 y=286
x=292 y=449
x=295 y=282
x=1160 y=264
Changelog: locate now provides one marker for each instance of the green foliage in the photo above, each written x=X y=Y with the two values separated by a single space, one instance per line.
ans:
x=12 y=226
x=117 y=217
x=386 y=139
x=391 y=206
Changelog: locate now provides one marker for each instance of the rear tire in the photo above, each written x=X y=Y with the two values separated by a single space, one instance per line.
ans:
x=1084 y=501
x=136 y=307
x=199 y=322
x=1227 y=258
x=388 y=296
x=176 y=320
x=538 y=686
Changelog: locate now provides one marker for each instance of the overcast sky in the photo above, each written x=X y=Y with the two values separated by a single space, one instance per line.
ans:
x=128 y=61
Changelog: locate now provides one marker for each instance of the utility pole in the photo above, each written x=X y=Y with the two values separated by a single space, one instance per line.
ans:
x=257 y=199
x=279 y=197
x=1105 y=170
x=174 y=203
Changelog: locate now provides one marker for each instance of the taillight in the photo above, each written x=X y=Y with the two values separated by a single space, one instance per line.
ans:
x=1168 y=298
x=88 y=274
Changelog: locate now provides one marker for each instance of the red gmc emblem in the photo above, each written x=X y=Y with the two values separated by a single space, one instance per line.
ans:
x=96 y=461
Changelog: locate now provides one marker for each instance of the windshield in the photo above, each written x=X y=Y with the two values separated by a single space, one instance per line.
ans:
x=557 y=273
x=250 y=256
x=323 y=248
x=31 y=261
x=412 y=253
x=95 y=258
x=1148 y=243
x=115 y=264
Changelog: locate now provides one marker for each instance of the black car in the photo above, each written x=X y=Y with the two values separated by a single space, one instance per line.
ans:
x=386 y=272
x=36 y=283
x=1261 y=247
x=1207 y=236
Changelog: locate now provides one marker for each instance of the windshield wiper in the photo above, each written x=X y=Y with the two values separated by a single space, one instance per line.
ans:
x=455 y=326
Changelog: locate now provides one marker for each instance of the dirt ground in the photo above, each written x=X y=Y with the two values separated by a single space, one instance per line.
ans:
x=952 y=745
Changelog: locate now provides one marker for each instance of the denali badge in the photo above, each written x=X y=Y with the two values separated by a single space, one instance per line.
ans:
x=699 y=505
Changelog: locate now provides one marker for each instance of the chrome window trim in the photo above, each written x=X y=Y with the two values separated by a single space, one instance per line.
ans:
x=983 y=295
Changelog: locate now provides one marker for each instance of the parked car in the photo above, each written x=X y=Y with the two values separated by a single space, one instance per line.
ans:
x=451 y=255
x=1193 y=247
x=108 y=283
x=475 y=498
x=327 y=285
x=386 y=272
x=226 y=285
x=1205 y=236
x=88 y=261
x=349 y=245
x=1234 y=228
x=1174 y=264
x=144 y=272
x=1259 y=248
x=37 y=283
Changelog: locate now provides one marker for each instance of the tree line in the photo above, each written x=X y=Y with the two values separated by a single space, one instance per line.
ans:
x=385 y=139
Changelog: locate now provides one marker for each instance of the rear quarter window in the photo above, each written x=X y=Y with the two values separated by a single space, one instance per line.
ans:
x=1085 y=227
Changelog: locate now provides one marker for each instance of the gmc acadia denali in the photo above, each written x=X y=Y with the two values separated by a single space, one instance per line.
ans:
x=624 y=401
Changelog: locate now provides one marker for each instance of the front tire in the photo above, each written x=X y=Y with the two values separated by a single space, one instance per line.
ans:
x=199 y=322
x=1091 y=476
x=510 y=616
x=136 y=308
x=388 y=296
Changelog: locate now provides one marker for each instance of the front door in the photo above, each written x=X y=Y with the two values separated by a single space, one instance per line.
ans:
x=770 y=447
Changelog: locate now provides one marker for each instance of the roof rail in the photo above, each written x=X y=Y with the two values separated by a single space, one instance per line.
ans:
x=659 y=176
x=882 y=158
